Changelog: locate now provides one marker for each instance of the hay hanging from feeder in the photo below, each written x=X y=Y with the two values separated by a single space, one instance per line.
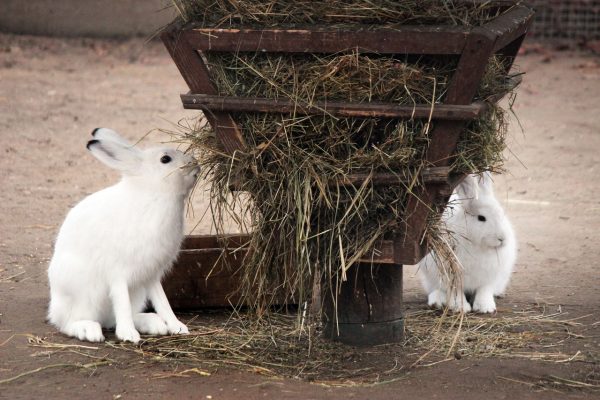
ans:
x=304 y=227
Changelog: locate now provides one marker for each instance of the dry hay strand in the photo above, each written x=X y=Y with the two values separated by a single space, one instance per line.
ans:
x=534 y=333
x=281 y=346
x=88 y=367
x=553 y=383
x=53 y=348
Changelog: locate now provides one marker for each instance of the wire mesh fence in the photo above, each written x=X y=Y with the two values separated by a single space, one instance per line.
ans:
x=566 y=19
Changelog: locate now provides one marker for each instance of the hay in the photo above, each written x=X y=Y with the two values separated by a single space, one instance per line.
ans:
x=304 y=227
x=302 y=224
x=279 y=346
x=557 y=384
x=307 y=78
x=86 y=367
x=371 y=14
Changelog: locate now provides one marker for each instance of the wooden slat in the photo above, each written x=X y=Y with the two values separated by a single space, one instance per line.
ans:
x=204 y=278
x=444 y=137
x=197 y=77
x=432 y=175
x=197 y=246
x=404 y=40
x=341 y=109
x=382 y=253
x=510 y=26
x=428 y=175
x=195 y=242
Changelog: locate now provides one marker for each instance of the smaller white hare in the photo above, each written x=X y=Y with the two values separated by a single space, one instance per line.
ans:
x=483 y=242
x=116 y=244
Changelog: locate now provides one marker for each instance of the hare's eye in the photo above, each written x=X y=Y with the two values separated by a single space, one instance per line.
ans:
x=481 y=218
x=165 y=159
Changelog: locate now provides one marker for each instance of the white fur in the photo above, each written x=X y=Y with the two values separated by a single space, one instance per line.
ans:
x=116 y=244
x=486 y=250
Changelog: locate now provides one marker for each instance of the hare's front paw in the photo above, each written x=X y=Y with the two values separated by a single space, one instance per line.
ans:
x=484 y=304
x=150 y=324
x=90 y=331
x=127 y=334
x=177 y=327
x=460 y=304
x=436 y=299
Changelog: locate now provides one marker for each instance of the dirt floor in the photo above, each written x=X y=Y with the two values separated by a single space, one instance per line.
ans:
x=53 y=92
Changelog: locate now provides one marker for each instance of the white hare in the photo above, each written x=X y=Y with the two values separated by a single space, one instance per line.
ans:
x=484 y=243
x=116 y=244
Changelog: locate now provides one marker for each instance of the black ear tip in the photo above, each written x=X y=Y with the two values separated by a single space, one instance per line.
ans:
x=95 y=131
x=91 y=143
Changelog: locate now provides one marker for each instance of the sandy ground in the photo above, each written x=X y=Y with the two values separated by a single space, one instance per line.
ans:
x=53 y=92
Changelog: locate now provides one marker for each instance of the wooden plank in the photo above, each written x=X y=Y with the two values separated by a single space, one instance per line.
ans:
x=200 y=245
x=382 y=253
x=193 y=242
x=510 y=26
x=435 y=175
x=444 y=137
x=404 y=40
x=205 y=276
x=199 y=280
x=341 y=109
x=196 y=75
x=471 y=66
x=428 y=175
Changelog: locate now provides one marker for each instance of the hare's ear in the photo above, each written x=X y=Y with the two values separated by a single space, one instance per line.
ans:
x=467 y=189
x=109 y=134
x=126 y=159
x=486 y=184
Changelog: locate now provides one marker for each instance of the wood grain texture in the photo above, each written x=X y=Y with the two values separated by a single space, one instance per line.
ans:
x=339 y=109
x=444 y=137
x=427 y=175
x=510 y=26
x=404 y=40
x=369 y=306
x=201 y=278
x=196 y=75
x=206 y=276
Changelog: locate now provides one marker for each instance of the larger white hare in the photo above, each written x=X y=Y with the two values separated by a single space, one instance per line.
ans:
x=116 y=244
x=483 y=242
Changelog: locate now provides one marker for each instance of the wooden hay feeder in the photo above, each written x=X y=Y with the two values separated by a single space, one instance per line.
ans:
x=370 y=310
